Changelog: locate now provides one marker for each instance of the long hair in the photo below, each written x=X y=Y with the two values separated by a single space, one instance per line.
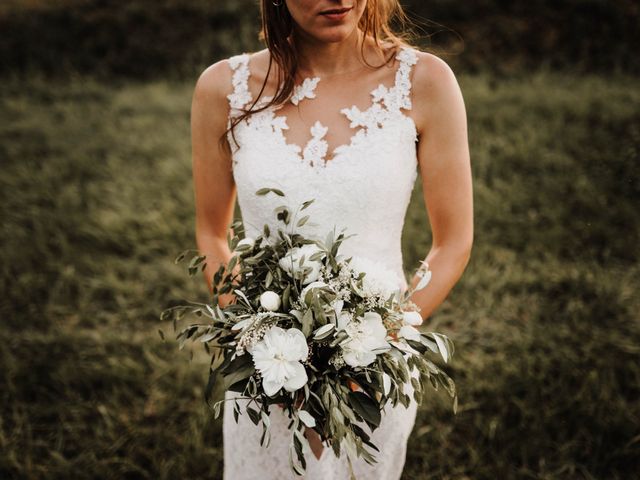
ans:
x=277 y=26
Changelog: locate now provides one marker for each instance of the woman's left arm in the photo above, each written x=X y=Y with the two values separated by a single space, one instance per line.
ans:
x=444 y=163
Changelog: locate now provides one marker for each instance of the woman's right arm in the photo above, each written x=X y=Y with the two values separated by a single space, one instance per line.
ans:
x=213 y=182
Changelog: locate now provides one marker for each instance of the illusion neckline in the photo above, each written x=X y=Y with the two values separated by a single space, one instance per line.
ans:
x=383 y=102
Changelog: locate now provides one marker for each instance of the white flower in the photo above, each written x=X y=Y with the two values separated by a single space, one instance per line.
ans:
x=367 y=337
x=270 y=301
x=378 y=279
x=290 y=263
x=277 y=357
x=344 y=318
x=412 y=318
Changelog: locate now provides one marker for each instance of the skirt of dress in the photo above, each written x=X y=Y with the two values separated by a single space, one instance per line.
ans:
x=246 y=459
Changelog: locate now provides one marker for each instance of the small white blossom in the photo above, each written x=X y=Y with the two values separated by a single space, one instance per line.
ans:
x=270 y=301
x=337 y=360
x=367 y=338
x=290 y=263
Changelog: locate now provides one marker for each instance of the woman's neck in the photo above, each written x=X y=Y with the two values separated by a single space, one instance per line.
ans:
x=324 y=59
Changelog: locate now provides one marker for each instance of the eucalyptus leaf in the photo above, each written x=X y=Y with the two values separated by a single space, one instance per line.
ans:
x=365 y=407
x=307 y=418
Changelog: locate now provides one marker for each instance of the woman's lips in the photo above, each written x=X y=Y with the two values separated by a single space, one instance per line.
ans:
x=336 y=14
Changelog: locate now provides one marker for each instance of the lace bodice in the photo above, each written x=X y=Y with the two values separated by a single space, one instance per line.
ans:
x=365 y=187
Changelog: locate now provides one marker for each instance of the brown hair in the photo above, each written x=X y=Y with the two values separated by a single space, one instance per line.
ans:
x=277 y=27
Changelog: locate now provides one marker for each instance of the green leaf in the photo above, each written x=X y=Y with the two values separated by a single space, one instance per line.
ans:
x=323 y=331
x=302 y=221
x=306 y=204
x=307 y=322
x=285 y=297
x=442 y=346
x=365 y=407
x=208 y=391
x=307 y=418
x=253 y=415
x=239 y=369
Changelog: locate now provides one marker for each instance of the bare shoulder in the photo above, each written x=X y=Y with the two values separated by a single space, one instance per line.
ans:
x=435 y=89
x=215 y=82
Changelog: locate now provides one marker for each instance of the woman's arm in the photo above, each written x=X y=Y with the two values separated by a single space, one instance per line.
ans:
x=213 y=182
x=444 y=162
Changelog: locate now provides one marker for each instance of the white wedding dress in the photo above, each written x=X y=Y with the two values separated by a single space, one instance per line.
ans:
x=365 y=188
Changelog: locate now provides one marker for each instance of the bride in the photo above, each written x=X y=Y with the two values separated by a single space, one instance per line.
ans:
x=340 y=109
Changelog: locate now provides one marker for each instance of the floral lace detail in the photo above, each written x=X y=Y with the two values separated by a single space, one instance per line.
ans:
x=386 y=105
x=304 y=90
x=240 y=80
x=386 y=102
x=316 y=148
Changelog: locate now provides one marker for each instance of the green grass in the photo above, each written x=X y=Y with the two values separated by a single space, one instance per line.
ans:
x=96 y=201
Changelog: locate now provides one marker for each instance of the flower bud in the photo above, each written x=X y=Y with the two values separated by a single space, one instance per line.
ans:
x=270 y=301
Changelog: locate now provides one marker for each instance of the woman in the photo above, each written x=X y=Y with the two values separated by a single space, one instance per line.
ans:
x=340 y=109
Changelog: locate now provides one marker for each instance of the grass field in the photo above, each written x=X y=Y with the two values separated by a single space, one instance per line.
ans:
x=96 y=201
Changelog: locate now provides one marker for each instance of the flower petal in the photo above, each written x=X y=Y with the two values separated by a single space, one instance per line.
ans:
x=270 y=387
x=298 y=378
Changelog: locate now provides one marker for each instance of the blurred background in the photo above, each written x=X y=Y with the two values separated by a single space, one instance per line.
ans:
x=97 y=201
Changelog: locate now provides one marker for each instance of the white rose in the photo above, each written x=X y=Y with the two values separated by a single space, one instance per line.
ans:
x=270 y=301
x=290 y=263
x=277 y=357
x=367 y=338
x=412 y=318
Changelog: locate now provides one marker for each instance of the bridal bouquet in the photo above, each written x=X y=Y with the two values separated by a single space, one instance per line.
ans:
x=329 y=339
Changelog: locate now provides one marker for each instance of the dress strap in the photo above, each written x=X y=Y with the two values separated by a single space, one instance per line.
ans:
x=407 y=57
x=240 y=96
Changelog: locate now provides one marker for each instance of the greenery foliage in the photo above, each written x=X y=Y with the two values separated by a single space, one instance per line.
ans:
x=96 y=199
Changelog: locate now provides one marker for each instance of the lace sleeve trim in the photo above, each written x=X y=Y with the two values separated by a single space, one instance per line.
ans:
x=240 y=80
x=407 y=57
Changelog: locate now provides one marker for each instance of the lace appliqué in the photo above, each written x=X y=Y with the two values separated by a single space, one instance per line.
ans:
x=386 y=102
x=386 y=106
x=305 y=90
x=316 y=148
x=240 y=80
